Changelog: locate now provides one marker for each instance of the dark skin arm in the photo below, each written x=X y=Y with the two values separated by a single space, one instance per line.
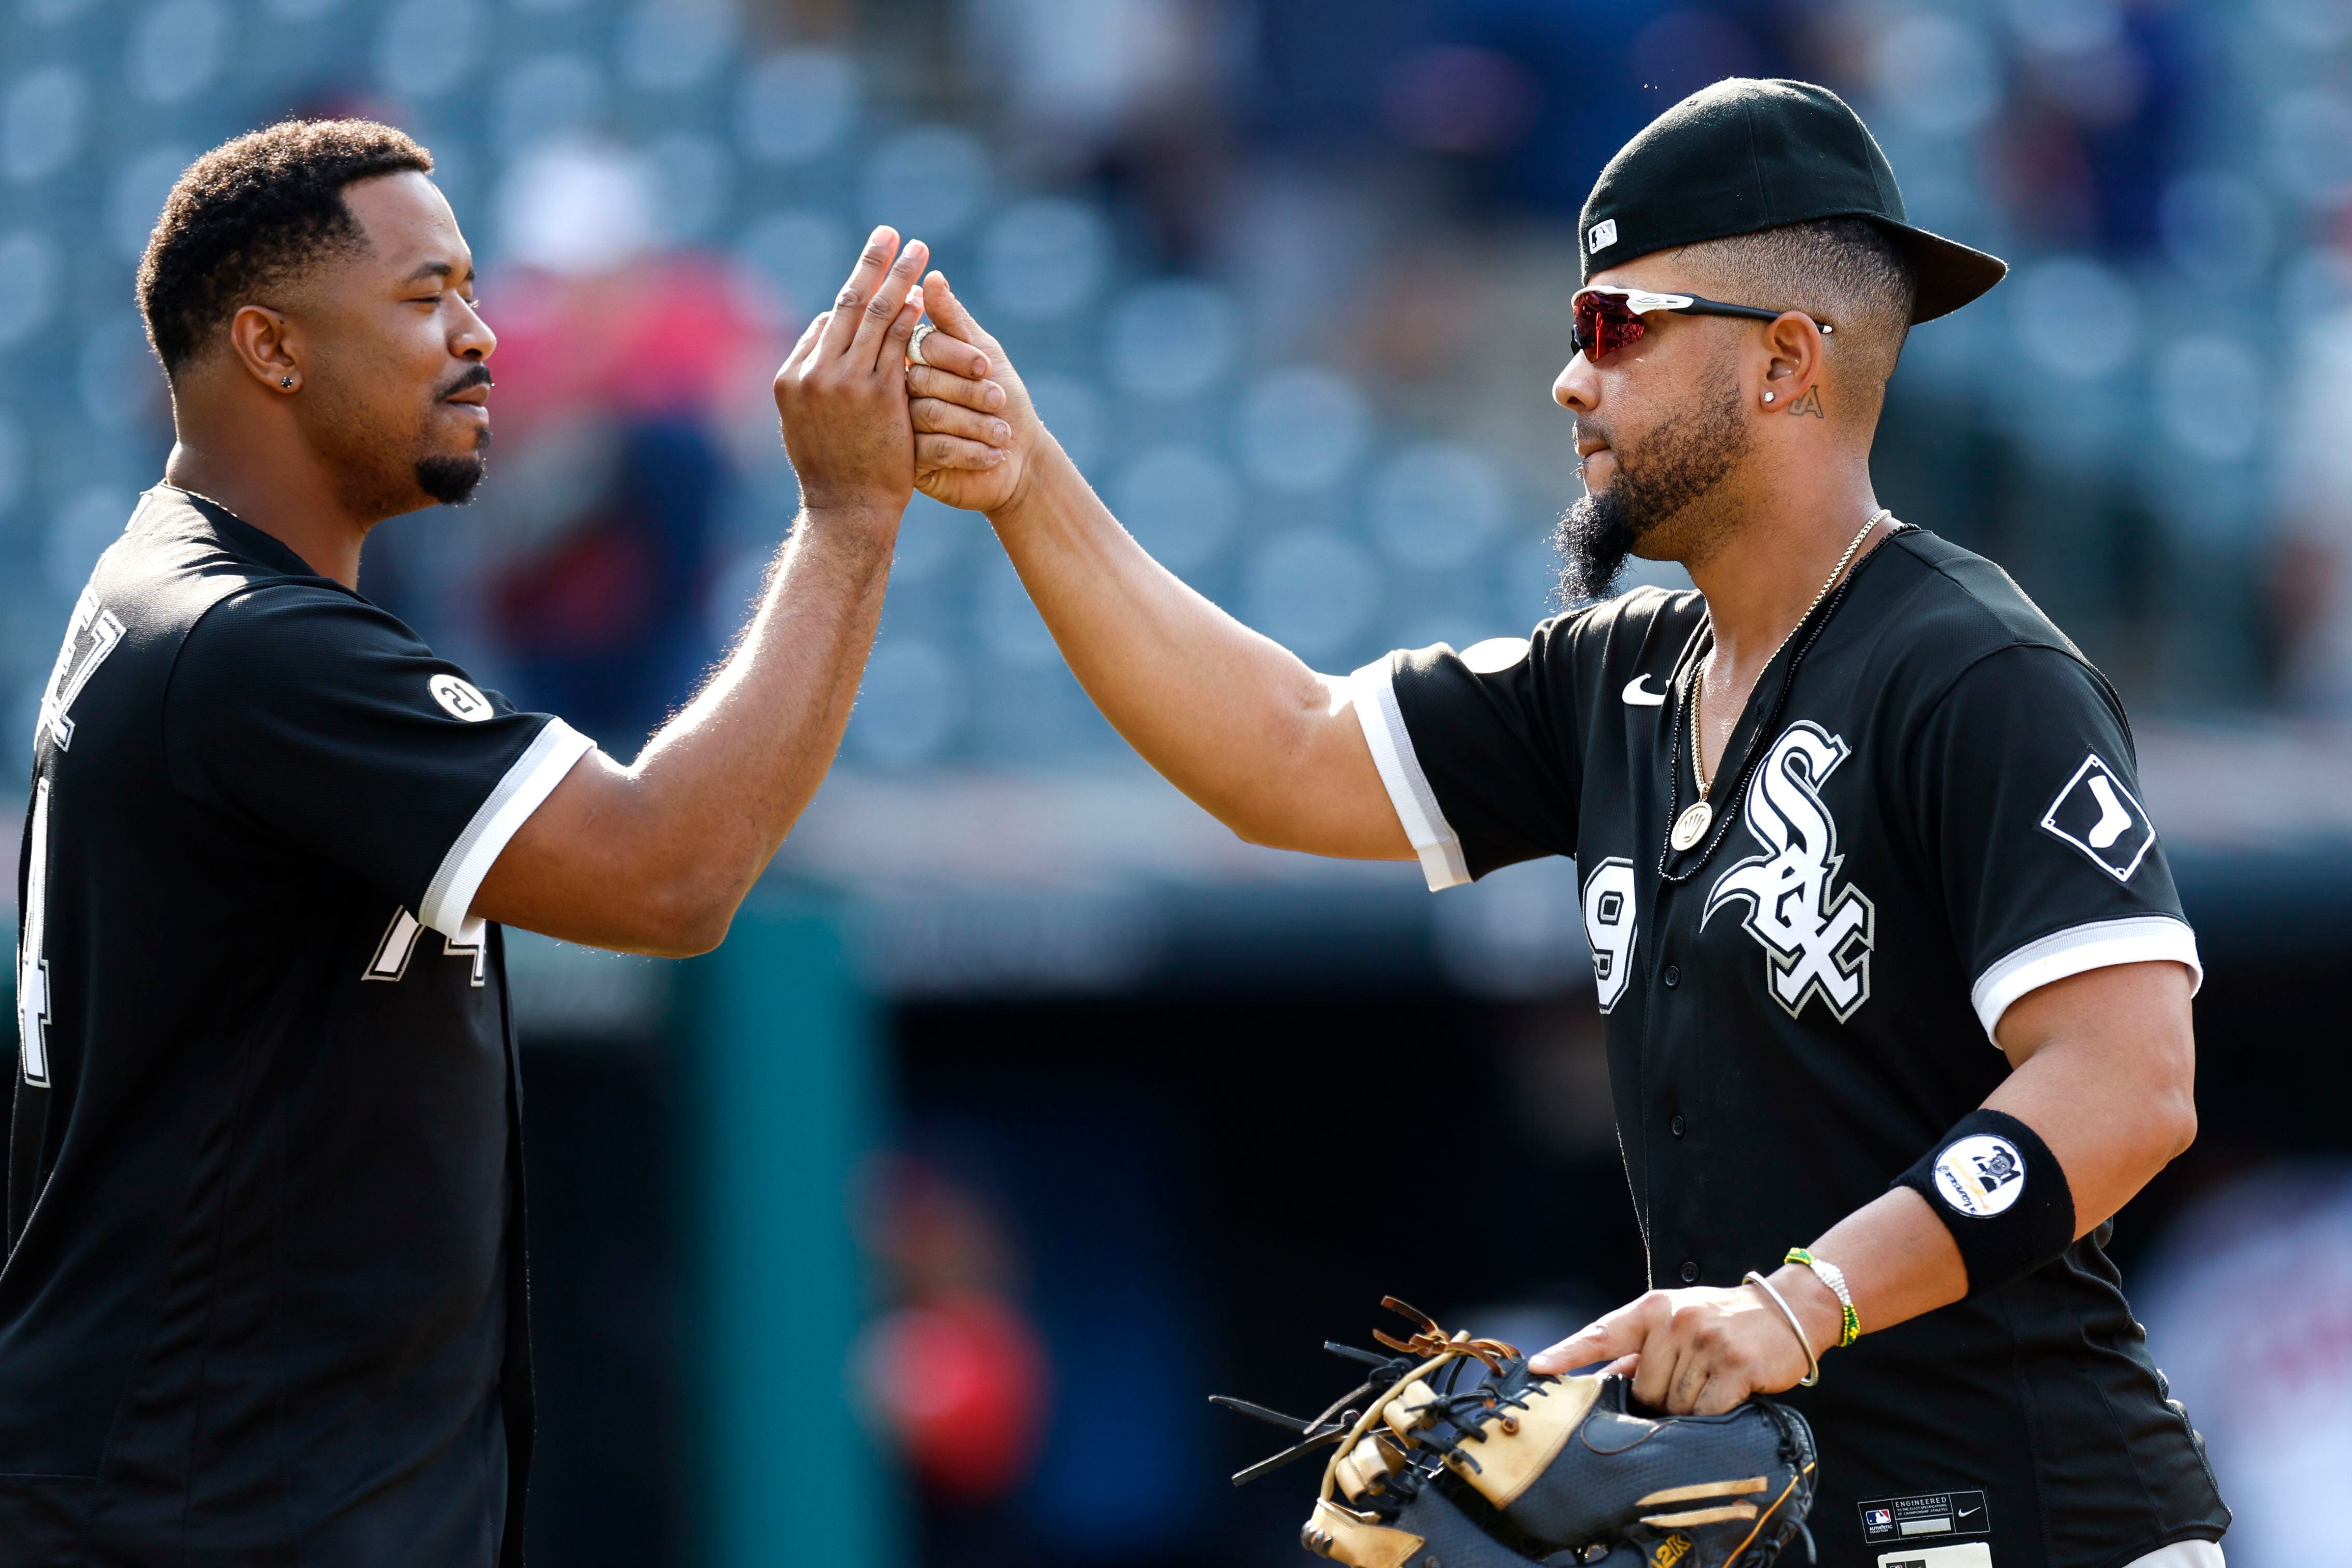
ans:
x=2104 y=1067
x=655 y=857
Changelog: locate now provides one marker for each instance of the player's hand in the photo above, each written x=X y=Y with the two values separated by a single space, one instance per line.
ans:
x=1692 y=1352
x=976 y=432
x=840 y=394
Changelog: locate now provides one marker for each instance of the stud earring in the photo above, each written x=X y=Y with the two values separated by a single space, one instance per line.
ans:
x=285 y=382
x=1767 y=397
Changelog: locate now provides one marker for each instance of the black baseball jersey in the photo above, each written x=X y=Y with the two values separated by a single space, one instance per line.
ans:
x=1928 y=809
x=263 y=1297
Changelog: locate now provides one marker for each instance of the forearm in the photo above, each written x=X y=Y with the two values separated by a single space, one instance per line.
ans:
x=2105 y=1075
x=724 y=781
x=656 y=856
x=1898 y=1259
x=1232 y=718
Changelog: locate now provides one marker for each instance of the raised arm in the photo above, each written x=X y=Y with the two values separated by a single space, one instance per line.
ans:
x=1266 y=745
x=654 y=856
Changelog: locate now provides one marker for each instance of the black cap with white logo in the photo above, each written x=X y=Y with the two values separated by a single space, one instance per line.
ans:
x=1748 y=154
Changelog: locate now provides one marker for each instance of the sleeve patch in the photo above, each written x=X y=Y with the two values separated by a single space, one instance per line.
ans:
x=2097 y=814
x=461 y=698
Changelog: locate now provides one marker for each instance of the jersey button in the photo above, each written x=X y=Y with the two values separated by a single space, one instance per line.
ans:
x=1673 y=976
x=1689 y=1272
x=1677 y=1127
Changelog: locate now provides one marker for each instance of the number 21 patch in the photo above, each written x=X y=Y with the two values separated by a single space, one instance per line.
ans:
x=2099 y=817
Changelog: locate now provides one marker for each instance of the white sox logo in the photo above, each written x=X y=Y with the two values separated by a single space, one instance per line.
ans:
x=1817 y=936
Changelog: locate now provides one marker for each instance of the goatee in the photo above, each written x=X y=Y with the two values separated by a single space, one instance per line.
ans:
x=1655 y=483
x=451 y=480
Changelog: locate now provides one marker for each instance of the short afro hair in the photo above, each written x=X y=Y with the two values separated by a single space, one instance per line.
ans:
x=252 y=213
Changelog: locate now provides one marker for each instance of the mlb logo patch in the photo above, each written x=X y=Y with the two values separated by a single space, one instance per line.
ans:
x=1876 y=1518
x=2099 y=817
x=1603 y=236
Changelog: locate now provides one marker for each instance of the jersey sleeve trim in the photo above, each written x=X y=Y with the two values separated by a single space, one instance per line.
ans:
x=2079 y=949
x=449 y=899
x=1443 y=864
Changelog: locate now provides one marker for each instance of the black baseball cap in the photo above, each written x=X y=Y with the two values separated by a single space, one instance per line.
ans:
x=1746 y=155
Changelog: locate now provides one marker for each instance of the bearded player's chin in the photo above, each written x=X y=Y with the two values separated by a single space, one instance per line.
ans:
x=451 y=481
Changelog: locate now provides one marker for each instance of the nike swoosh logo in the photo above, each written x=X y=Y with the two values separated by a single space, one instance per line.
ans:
x=1966 y=1512
x=1637 y=697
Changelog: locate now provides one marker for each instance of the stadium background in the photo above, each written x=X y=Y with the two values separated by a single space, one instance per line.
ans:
x=1027 y=1107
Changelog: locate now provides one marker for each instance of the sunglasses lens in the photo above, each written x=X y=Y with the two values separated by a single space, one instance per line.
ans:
x=1604 y=325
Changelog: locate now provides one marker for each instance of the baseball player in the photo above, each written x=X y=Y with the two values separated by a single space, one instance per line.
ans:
x=1896 y=981
x=263 y=1297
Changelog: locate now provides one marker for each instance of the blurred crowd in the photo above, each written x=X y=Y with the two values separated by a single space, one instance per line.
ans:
x=1288 y=276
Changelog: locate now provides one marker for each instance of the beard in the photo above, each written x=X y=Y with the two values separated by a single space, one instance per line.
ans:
x=1676 y=467
x=451 y=480
x=387 y=466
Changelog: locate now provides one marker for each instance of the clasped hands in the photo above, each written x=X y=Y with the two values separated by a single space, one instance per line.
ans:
x=865 y=426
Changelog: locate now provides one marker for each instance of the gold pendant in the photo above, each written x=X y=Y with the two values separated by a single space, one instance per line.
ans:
x=1692 y=825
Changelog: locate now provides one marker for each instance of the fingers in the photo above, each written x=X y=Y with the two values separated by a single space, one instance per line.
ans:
x=1621 y=1332
x=1666 y=1377
x=902 y=327
x=809 y=334
x=944 y=350
x=1692 y=1376
x=923 y=381
x=878 y=323
x=1566 y=1356
x=1723 y=1392
x=937 y=418
x=955 y=451
x=950 y=316
x=881 y=247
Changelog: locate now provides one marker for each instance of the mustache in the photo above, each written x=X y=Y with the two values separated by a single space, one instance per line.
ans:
x=473 y=375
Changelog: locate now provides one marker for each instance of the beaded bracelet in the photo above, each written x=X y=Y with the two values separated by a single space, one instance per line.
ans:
x=1830 y=1274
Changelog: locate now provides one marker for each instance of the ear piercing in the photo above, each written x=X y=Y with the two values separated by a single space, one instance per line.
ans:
x=1767 y=397
x=285 y=382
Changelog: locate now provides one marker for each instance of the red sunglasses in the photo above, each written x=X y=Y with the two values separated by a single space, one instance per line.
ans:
x=1606 y=320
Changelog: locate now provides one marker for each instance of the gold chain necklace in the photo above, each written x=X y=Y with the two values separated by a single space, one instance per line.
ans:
x=1692 y=824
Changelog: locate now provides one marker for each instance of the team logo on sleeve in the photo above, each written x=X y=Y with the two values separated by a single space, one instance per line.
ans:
x=1816 y=935
x=459 y=699
x=1609 y=927
x=2099 y=817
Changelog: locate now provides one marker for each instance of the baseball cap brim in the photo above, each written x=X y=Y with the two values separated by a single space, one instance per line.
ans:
x=1946 y=273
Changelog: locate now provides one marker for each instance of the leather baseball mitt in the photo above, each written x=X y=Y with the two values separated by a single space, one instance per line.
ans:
x=1452 y=1455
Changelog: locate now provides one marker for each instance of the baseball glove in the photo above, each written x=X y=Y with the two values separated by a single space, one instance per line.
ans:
x=1451 y=1454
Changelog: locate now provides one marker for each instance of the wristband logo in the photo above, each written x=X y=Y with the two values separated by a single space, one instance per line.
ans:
x=1980 y=1174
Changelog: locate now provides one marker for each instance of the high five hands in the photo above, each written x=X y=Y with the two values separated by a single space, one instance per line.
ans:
x=967 y=403
x=842 y=396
